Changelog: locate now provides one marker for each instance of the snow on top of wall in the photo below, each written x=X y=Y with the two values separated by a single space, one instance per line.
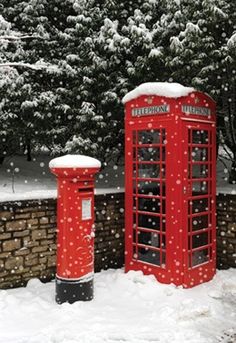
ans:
x=167 y=89
x=33 y=195
x=51 y=194
x=226 y=190
x=74 y=161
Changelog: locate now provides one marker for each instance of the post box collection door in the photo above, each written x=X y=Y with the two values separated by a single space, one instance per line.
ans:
x=84 y=253
x=75 y=236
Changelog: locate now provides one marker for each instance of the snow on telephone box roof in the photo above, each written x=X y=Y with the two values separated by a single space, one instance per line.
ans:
x=74 y=161
x=165 y=89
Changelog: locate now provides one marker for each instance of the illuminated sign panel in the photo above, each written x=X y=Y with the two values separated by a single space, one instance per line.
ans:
x=151 y=110
x=196 y=110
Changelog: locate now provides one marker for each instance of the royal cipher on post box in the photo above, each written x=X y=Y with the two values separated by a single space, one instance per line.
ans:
x=75 y=221
x=170 y=183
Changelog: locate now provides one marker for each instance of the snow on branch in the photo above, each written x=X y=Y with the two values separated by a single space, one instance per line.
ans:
x=232 y=41
x=11 y=37
x=24 y=65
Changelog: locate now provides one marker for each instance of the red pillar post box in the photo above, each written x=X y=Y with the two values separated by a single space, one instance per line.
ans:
x=170 y=183
x=75 y=221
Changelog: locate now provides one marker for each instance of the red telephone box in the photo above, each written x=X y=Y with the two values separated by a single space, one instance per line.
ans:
x=170 y=182
x=75 y=219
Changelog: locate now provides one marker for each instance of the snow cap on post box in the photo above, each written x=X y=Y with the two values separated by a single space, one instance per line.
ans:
x=72 y=163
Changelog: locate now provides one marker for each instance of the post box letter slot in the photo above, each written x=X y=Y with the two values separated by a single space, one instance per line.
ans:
x=82 y=190
x=86 y=209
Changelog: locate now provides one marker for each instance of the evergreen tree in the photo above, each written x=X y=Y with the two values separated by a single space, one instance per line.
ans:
x=10 y=80
x=202 y=54
x=87 y=54
x=39 y=105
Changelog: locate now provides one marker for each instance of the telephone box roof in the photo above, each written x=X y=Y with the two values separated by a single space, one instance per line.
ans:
x=165 y=89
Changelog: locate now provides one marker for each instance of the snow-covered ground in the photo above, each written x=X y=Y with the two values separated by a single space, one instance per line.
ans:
x=129 y=308
x=33 y=180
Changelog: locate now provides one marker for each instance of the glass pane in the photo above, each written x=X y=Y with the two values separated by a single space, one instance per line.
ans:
x=163 y=189
x=163 y=132
x=199 y=223
x=149 y=222
x=163 y=207
x=200 y=205
x=163 y=242
x=148 y=255
x=149 y=170
x=163 y=259
x=199 y=154
x=199 y=257
x=199 y=187
x=149 y=137
x=199 y=137
x=199 y=240
x=149 y=154
x=163 y=157
x=149 y=187
x=135 y=255
x=163 y=171
x=149 y=238
x=149 y=205
x=199 y=171
x=163 y=224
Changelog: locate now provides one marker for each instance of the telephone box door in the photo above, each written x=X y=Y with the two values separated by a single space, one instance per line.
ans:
x=199 y=199
x=147 y=199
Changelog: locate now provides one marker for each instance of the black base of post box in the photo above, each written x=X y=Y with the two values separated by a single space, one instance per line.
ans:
x=71 y=291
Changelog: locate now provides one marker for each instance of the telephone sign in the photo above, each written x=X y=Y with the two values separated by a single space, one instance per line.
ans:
x=142 y=111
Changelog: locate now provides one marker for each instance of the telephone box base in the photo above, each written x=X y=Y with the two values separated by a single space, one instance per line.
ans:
x=72 y=291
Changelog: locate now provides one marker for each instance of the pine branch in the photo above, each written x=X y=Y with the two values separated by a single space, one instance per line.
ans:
x=24 y=65
x=230 y=157
x=221 y=159
x=20 y=37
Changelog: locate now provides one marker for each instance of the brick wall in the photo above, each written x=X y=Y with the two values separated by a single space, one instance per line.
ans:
x=109 y=226
x=28 y=236
x=226 y=232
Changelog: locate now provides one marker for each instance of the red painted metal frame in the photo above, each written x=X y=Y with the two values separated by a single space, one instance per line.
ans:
x=177 y=126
